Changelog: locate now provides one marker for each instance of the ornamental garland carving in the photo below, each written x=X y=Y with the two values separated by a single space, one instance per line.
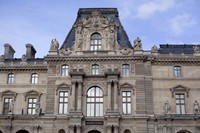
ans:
x=65 y=51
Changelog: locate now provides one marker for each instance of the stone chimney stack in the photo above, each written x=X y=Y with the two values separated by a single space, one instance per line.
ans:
x=30 y=51
x=8 y=51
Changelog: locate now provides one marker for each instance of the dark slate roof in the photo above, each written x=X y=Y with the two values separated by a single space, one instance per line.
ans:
x=111 y=13
x=176 y=48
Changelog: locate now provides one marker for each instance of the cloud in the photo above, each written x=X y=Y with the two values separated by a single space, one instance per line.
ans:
x=149 y=8
x=126 y=8
x=180 y=23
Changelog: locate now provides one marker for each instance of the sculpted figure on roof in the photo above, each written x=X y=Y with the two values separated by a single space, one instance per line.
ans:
x=54 y=45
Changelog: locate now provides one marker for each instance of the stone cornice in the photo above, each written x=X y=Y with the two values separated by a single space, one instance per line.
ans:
x=95 y=58
x=176 y=60
x=23 y=68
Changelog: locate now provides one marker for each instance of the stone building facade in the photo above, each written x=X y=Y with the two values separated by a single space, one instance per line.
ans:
x=98 y=82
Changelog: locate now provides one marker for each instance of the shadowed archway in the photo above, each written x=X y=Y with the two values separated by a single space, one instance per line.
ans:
x=22 y=131
x=183 y=131
x=94 y=131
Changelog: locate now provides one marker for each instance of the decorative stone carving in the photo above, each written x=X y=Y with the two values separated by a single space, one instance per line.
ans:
x=154 y=49
x=95 y=21
x=137 y=44
x=126 y=51
x=54 y=45
x=65 y=51
x=37 y=107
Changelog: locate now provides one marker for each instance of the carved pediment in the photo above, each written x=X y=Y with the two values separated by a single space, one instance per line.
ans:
x=62 y=86
x=95 y=21
x=8 y=93
x=180 y=88
x=126 y=85
x=32 y=93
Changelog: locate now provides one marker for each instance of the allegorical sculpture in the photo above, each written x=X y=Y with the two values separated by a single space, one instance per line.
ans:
x=167 y=107
x=11 y=107
x=37 y=107
x=137 y=44
x=196 y=107
x=54 y=45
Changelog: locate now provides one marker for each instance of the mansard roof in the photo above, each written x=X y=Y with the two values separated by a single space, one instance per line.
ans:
x=111 y=13
x=176 y=48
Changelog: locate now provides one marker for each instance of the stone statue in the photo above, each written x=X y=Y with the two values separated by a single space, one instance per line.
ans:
x=154 y=49
x=11 y=107
x=37 y=107
x=54 y=45
x=167 y=107
x=137 y=44
x=2 y=58
x=196 y=107
x=196 y=49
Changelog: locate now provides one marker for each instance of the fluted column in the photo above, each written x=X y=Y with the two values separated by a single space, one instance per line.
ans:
x=115 y=97
x=109 y=129
x=116 y=129
x=79 y=96
x=73 y=96
x=78 y=129
x=71 y=129
x=109 y=96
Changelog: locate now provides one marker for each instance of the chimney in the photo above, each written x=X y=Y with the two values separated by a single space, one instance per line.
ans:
x=30 y=51
x=8 y=51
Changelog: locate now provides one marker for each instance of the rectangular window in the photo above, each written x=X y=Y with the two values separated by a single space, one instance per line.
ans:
x=177 y=71
x=6 y=105
x=63 y=102
x=180 y=103
x=34 y=78
x=31 y=105
x=125 y=70
x=126 y=102
x=10 y=78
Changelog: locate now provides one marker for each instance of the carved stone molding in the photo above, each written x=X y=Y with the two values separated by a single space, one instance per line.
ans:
x=180 y=88
x=126 y=51
x=8 y=93
x=32 y=93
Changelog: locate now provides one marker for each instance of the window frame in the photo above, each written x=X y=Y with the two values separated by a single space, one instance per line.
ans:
x=64 y=70
x=177 y=71
x=180 y=103
x=125 y=70
x=65 y=104
x=94 y=102
x=34 y=78
x=6 y=109
x=95 y=69
x=33 y=105
x=127 y=103
x=11 y=78
x=95 y=42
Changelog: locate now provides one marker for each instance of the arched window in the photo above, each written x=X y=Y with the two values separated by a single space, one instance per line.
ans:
x=61 y=131
x=125 y=69
x=95 y=42
x=95 y=102
x=177 y=71
x=34 y=78
x=95 y=69
x=64 y=70
x=11 y=77
x=127 y=131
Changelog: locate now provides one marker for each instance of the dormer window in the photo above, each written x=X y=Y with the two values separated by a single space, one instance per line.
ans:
x=95 y=42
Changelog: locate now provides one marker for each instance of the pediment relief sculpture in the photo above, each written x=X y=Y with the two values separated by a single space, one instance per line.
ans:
x=95 y=21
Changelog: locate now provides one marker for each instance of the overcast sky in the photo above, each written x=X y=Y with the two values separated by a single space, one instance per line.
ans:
x=154 y=21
